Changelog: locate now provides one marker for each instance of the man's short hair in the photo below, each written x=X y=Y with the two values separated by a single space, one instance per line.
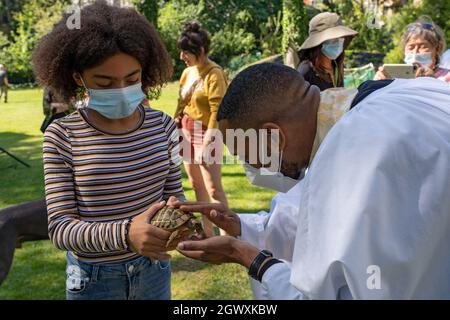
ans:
x=259 y=93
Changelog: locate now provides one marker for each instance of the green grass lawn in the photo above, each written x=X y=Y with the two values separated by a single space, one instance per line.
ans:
x=38 y=271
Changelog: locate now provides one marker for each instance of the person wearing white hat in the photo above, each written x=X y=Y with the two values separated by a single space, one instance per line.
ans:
x=322 y=54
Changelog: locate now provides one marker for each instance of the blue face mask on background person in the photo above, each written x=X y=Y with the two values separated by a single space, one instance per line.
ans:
x=333 y=48
x=115 y=103
x=424 y=59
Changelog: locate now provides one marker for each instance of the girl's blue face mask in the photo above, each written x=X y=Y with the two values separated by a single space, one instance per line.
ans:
x=115 y=103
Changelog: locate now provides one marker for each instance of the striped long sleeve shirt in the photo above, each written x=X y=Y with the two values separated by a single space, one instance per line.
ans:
x=96 y=182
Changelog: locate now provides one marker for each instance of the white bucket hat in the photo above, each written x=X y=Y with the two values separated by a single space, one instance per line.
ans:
x=325 y=26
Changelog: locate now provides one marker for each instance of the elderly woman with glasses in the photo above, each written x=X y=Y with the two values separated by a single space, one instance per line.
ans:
x=423 y=44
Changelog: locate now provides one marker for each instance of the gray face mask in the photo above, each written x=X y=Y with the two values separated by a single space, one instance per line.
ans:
x=265 y=178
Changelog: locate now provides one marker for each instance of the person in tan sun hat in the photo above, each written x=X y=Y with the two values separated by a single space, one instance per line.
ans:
x=321 y=55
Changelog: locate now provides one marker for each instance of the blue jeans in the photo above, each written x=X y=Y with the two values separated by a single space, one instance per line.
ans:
x=138 y=279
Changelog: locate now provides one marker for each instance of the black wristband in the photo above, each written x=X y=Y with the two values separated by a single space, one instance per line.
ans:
x=266 y=266
x=256 y=264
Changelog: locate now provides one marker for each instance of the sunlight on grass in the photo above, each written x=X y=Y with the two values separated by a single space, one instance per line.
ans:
x=38 y=270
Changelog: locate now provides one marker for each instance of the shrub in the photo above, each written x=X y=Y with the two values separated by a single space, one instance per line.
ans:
x=34 y=20
x=295 y=24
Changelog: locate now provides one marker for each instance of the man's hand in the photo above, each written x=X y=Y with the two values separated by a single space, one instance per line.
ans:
x=217 y=213
x=148 y=240
x=219 y=249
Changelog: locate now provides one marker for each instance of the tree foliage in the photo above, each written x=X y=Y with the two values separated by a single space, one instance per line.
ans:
x=148 y=8
x=7 y=10
x=295 y=24
x=242 y=31
x=172 y=17
x=35 y=19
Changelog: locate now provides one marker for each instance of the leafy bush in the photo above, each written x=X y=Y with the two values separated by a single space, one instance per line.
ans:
x=170 y=24
x=295 y=24
x=237 y=63
x=241 y=30
x=148 y=8
x=35 y=19
x=270 y=36
x=237 y=28
x=4 y=43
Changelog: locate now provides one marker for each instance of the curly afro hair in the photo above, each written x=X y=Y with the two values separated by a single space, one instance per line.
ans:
x=105 y=31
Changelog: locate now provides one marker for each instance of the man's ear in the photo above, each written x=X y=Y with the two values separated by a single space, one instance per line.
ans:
x=77 y=78
x=273 y=130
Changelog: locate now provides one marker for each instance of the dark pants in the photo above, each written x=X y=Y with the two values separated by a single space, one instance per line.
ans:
x=4 y=89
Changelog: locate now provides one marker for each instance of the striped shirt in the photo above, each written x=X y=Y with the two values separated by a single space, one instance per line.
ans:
x=96 y=182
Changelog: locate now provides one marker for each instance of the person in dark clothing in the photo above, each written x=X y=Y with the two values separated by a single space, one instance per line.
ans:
x=3 y=83
x=321 y=55
x=54 y=108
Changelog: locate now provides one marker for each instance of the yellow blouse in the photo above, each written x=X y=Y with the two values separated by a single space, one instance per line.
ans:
x=201 y=91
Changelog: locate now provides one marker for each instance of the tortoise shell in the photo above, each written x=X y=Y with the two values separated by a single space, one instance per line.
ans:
x=170 y=219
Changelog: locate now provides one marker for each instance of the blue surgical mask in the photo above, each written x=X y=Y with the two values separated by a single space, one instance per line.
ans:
x=116 y=103
x=424 y=59
x=333 y=48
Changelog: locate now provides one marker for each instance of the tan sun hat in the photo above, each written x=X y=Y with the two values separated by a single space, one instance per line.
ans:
x=325 y=26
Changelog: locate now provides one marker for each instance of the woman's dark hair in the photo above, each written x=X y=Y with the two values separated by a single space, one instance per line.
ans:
x=194 y=38
x=105 y=31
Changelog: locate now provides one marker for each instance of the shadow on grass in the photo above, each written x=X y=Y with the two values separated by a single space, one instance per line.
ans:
x=19 y=183
x=181 y=263
x=17 y=144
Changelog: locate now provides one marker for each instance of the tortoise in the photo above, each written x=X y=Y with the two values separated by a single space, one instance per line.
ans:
x=177 y=222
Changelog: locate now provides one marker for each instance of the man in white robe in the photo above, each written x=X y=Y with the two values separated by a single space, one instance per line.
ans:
x=374 y=208
x=274 y=230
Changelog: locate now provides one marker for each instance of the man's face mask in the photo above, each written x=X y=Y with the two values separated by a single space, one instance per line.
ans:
x=333 y=48
x=424 y=59
x=265 y=178
x=115 y=103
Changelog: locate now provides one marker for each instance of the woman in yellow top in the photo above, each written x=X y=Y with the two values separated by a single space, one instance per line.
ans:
x=202 y=87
